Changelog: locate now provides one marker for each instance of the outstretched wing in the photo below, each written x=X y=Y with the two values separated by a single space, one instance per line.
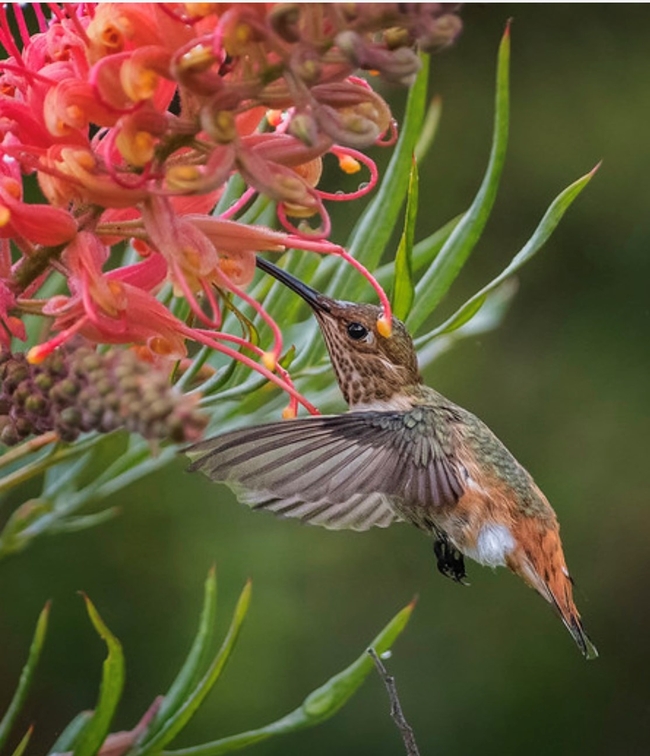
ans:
x=350 y=471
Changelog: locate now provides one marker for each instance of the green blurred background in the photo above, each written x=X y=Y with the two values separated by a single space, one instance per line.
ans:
x=563 y=382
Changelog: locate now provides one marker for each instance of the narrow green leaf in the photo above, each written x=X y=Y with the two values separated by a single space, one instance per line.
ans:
x=429 y=129
x=403 y=287
x=318 y=706
x=108 y=457
x=66 y=740
x=374 y=228
x=288 y=357
x=83 y=522
x=189 y=375
x=486 y=319
x=177 y=721
x=541 y=234
x=262 y=207
x=63 y=476
x=466 y=312
x=233 y=191
x=94 y=733
x=436 y=281
x=26 y=676
x=197 y=657
x=424 y=252
x=20 y=748
x=15 y=535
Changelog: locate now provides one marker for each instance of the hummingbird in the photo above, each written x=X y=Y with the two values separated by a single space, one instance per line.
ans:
x=403 y=452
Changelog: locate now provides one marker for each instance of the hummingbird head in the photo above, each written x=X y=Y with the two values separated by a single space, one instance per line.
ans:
x=370 y=368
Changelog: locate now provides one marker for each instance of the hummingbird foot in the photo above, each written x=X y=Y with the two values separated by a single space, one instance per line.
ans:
x=449 y=560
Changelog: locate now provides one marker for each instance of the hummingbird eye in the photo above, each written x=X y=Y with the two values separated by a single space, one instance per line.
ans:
x=357 y=331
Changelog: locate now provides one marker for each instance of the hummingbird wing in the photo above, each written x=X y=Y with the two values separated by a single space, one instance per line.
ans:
x=351 y=471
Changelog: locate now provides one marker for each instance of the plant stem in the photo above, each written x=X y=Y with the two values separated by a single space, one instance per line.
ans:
x=395 y=707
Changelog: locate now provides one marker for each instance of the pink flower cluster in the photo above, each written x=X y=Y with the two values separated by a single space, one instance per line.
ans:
x=132 y=118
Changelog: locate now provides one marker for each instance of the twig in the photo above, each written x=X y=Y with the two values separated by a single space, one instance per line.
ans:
x=395 y=707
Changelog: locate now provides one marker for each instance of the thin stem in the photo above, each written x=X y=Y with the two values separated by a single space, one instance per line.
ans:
x=28 y=447
x=395 y=707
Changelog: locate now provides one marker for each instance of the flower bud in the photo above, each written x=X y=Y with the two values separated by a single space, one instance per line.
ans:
x=80 y=390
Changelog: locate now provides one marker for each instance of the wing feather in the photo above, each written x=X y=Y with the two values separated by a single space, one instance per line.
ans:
x=351 y=471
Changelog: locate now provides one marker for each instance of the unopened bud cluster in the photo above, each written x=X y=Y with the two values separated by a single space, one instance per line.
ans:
x=79 y=391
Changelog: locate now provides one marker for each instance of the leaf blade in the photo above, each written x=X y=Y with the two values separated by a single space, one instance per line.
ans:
x=446 y=266
x=26 y=676
x=73 y=729
x=189 y=672
x=186 y=711
x=24 y=741
x=110 y=690
x=403 y=286
x=539 y=237
x=319 y=705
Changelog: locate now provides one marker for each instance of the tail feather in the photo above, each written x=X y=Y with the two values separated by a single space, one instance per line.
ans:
x=542 y=566
x=571 y=620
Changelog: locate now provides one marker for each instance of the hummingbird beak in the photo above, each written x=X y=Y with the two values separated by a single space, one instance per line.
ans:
x=314 y=299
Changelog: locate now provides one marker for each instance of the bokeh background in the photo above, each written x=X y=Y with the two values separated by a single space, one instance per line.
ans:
x=564 y=383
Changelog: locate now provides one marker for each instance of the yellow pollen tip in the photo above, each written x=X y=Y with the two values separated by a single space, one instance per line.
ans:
x=182 y=176
x=269 y=360
x=5 y=216
x=83 y=159
x=198 y=59
x=37 y=354
x=274 y=117
x=384 y=327
x=159 y=345
x=288 y=413
x=348 y=164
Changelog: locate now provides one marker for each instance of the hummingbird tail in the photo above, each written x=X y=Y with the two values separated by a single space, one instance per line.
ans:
x=558 y=592
x=544 y=569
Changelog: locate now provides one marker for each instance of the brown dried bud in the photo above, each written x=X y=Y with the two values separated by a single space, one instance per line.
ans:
x=81 y=391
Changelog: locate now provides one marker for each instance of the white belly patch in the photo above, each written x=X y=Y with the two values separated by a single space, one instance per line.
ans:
x=493 y=544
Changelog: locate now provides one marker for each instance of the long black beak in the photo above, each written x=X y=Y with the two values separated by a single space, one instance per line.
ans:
x=314 y=299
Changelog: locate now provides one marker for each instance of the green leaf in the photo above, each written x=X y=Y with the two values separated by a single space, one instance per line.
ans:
x=196 y=659
x=424 y=252
x=182 y=715
x=319 y=705
x=374 y=228
x=26 y=676
x=83 y=522
x=403 y=288
x=541 y=234
x=233 y=191
x=20 y=748
x=63 y=477
x=67 y=738
x=439 y=277
x=94 y=733
x=15 y=534
x=486 y=319
x=429 y=129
